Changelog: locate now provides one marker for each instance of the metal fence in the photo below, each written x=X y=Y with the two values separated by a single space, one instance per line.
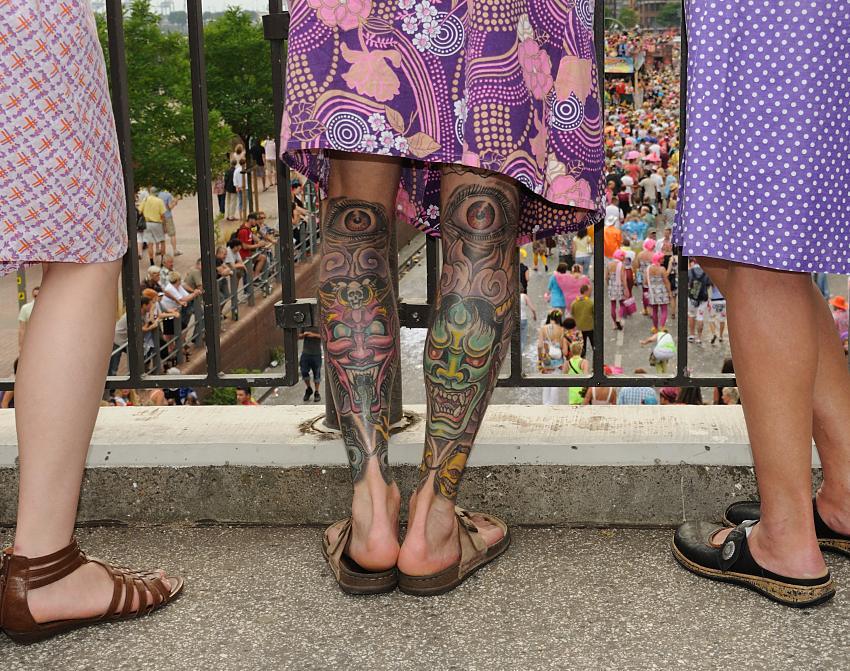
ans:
x=146 y=365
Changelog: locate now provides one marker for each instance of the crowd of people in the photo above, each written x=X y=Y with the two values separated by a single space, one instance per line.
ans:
x=641 y=269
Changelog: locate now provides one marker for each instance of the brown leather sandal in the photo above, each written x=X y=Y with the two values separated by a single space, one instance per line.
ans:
x=350 y=576
x=474 y=554
x=20 y=574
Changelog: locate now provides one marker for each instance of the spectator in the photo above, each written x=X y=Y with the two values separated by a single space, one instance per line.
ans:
x=270 y=147
x=9 y=396
x=24 y=315
x=231 y=198
x=690 y=396
x=170 y=230
x=637 y=395
x=243 y=396
x=193 y=279
x=178 y=395
x=153 y=210
x=525 y=307
x=727 y=369
x=698 y=284
x=669 y=396
x=299 y=213
x=576 y=365
x=153 y=279
x=120 y=340
x=177 y=300
x=239 y=183
x=258 y=156
x=311 y=363
x=730 y=396
x=124 y=397
x=251 y=245
x=220 y=193
x=582 y=311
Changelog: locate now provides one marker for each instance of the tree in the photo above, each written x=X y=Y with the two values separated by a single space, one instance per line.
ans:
x=239 y=76
x=628 y=17
x=670 y=14
x=160 y=101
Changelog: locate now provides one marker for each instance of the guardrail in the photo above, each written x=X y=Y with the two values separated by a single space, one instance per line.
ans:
x=292 y=245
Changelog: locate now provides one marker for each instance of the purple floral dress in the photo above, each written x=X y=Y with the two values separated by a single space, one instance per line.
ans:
x=504 y=85
x=61 y=186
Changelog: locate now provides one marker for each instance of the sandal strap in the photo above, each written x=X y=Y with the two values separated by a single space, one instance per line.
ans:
x=46 y=570
x=336 y=549
x=129 y=585
x=472 y=545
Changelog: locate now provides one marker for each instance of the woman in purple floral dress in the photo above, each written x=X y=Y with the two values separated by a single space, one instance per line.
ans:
x=476 y=121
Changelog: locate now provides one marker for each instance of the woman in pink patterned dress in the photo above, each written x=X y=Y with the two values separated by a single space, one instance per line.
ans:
x=62 y=204
x=476 y=121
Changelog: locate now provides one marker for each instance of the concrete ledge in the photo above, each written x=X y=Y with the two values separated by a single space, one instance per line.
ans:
x=533 y=464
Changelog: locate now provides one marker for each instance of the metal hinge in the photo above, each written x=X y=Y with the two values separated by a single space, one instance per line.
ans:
x=276 y=26
x=414 y=315
x=300 y=314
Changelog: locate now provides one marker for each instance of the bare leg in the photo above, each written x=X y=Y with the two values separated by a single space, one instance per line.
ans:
x=466 y=344
x=359 y=323
x=769 y=312
x=53 y=438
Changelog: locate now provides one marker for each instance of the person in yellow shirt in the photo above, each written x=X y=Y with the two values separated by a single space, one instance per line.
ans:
x=153 y=210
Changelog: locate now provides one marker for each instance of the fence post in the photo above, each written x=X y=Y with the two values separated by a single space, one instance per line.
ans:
x=234 y=295
x=178 y=339
x=249 y=280
x=198 y=314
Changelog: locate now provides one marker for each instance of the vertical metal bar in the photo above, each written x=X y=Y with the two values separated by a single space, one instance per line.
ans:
x=204 y=181
x=599 y=228
x=121 y=111
x=682 y=310
x=284 y=204
x=432 y=254
x=516 y=373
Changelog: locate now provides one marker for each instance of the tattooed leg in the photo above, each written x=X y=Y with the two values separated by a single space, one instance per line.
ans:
x=360 y=331
x=467 y=342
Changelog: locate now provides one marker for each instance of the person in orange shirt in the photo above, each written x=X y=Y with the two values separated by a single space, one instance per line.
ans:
x=613 y=239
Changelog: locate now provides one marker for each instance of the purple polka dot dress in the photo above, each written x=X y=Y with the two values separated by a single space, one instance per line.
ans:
x=504 y=85
x=764 y=178
x=61 y=186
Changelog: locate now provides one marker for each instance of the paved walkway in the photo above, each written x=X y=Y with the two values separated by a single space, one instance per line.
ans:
x=262 y=599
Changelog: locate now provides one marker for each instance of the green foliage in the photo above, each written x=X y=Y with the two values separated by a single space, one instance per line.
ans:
x=239 y=77
x=227 y=395
x=220 y=396
x=670 y=14
x=160 y=95
x=628 y=17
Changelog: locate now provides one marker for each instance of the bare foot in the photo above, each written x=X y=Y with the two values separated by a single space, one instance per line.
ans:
x=796 y=559
x=431 y=544
x=85 y=593
x=374 y=527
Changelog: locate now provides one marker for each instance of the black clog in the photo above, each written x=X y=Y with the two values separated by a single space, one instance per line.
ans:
x=731 y=561
x=829 y=540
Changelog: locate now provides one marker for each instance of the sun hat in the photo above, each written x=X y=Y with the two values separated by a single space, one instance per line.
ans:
x=670 y=393
x=657 y=258
x=839 y=302
x=619 y=255
x=649 y=244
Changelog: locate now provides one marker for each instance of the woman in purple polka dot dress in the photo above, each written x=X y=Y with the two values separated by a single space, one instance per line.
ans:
x=477 y=121
x=764 y=204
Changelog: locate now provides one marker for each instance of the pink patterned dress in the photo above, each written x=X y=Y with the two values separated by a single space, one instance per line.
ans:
x=505 y=85
x=61 y=186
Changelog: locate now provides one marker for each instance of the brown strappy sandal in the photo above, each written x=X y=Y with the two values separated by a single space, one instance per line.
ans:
x=474 y=554
x=351 y=577
x=20 y=574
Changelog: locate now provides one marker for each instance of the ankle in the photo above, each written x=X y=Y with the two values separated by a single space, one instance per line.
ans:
x=833 y=508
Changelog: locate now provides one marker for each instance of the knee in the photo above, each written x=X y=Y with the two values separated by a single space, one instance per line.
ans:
x=355 y=219
x=480 y=208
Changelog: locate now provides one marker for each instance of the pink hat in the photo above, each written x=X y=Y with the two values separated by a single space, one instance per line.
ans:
x=649 y=244
x=657 y=258
x=619 y=255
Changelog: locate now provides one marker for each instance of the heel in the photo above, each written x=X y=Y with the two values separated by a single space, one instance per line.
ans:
x=43 y=632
